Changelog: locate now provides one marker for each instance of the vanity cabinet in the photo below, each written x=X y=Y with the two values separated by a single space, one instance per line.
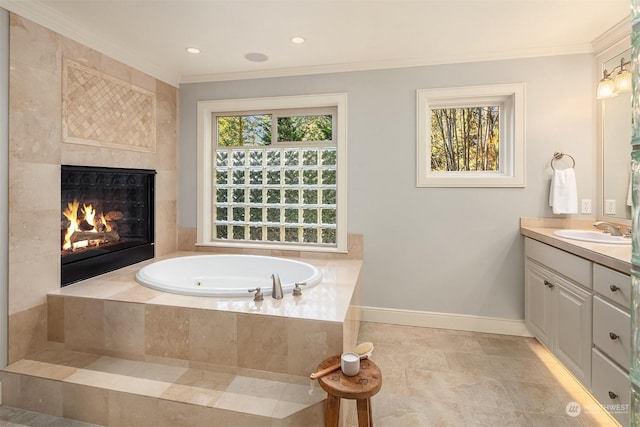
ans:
x=612 y=341
x=557 y=307
x=579 y=310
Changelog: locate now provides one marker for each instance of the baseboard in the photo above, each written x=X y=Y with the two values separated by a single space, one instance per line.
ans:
x=461 y=322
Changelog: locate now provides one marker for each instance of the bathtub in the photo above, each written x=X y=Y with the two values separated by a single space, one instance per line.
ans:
x=225 y=275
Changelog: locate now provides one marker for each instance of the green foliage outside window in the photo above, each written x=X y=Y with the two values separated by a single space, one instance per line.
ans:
x=304 y=128
x=465 y=139
x=244 y=130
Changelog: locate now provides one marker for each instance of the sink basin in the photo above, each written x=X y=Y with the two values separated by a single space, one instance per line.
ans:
x=592 y=236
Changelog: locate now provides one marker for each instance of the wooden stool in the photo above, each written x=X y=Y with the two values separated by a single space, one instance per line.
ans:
x=359 y=387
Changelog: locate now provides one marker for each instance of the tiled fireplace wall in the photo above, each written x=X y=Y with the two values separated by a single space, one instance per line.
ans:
x=36 y=151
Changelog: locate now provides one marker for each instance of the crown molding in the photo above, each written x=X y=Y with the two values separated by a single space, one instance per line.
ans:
x=612 y=36
x=382 y=65
x=40 y=13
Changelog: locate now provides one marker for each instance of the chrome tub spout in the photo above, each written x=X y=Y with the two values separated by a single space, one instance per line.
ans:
x=276 y=291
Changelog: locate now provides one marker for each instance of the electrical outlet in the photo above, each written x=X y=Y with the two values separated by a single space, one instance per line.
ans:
x=586 y=206
x=610 y=207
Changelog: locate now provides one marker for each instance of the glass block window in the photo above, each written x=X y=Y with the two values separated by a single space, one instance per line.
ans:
x=270 y=200
x=272 y=175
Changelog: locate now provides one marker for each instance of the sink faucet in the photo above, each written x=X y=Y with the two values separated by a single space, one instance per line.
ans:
x=608 y=228
x=276 y=291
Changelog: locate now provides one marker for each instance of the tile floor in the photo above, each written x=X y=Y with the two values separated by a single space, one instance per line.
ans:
x=436 y=377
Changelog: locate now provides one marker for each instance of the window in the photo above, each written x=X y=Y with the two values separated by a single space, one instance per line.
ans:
x=471 y=136
x=273 y=172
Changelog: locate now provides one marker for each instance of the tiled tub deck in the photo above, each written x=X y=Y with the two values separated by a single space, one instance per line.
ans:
x=123 y=354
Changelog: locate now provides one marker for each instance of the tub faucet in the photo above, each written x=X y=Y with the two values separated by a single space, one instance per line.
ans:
x=608 y=228
x=276 y=291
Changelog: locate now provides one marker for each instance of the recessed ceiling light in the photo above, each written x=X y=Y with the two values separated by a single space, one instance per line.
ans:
x=256 y=57
x=192 y=50
x=297 y=40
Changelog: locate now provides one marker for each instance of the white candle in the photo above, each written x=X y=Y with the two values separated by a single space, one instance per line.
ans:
x=350 y=364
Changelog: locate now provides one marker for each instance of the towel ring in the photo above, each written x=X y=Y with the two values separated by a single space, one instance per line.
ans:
x=558 y=155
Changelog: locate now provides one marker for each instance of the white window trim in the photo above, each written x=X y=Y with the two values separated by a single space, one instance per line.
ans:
x=512 y=158
x=206 y=127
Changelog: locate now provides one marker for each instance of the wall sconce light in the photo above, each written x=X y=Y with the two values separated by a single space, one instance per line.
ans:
x=608 y=87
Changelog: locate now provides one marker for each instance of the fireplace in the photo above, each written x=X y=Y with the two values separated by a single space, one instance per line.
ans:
x=107 y=220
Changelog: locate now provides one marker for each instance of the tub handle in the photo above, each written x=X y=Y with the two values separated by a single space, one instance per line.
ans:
x=258 y=296
x=296 y=290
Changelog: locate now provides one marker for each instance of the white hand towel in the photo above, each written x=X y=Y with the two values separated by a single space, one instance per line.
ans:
x=563 y=194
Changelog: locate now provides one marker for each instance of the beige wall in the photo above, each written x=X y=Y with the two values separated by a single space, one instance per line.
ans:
x=36 y=152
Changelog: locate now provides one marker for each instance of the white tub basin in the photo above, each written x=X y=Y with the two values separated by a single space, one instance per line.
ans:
x=592 y=236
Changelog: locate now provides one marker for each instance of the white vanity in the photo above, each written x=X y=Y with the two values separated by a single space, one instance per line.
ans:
x=577 y=304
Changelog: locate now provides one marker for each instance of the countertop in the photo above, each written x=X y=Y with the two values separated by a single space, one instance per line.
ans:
x=617 y=257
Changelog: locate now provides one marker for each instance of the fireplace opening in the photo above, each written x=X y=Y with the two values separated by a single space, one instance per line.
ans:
x=107 y=220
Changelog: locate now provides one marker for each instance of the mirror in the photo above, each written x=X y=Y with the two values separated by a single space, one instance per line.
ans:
x=616 y=149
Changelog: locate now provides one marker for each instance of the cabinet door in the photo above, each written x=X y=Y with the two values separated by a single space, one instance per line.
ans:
x=538 y=297
x=572 y=329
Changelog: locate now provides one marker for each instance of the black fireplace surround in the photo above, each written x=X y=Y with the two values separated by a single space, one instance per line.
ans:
x=124 y=199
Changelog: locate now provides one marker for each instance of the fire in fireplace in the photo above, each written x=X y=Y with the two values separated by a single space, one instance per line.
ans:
x=107 y=220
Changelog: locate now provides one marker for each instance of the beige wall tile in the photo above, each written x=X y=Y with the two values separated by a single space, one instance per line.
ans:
x=41 y=395
x=32 y=233
x=124 y=329
x=34 y=122
x=11 y=393
x=128 y=410
x=174 y=414
x=143 y=80
x=29 y=281
x=263 y=340
x=166 y=185
x=36 y=152
x=113 y=68
x=80 y=53
x=166 y=227
x=55 y=318
x=31 y=187
x=213 y=337
x=310 y=342
x=187 y=238
x=33 y=44
x=84 y=324
x=75 y=154
x=167 y=331
x=84 y=403
x=27 y=332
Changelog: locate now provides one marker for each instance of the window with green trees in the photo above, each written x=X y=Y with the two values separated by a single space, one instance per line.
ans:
x=471 y=136
x=465 y=139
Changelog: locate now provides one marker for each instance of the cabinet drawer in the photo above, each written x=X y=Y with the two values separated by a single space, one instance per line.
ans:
x=571 y=266
x=612 y=331
x=610 y=386
x=612 y=284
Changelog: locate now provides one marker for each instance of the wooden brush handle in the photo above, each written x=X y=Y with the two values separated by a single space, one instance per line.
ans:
x=331 y=368
x=325 y=371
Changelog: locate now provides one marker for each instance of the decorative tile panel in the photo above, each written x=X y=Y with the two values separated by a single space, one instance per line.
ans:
x=101 y=110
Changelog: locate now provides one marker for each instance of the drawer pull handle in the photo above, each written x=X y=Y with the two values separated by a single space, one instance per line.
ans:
x=613 y=336
x=548 y=284
x=614 y=288
x=612 y=395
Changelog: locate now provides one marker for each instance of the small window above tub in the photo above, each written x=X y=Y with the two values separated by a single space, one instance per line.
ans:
x=471 y=136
